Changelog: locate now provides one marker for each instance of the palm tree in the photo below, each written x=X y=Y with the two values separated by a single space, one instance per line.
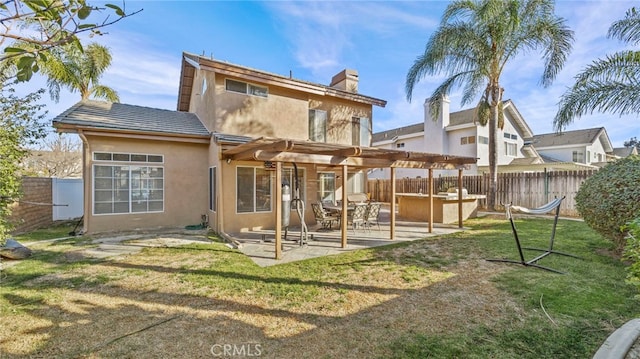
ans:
x=79 y=70
x=609 y=85
x=475 y=41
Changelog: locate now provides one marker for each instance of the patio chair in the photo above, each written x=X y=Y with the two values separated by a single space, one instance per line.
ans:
x=356 y=216
x=372 y=214
x=551 y=206
x=323 y=218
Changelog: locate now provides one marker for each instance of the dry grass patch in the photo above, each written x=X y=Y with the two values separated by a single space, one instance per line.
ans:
x=178 y=302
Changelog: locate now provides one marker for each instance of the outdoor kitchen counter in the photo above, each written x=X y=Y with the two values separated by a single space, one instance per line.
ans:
x=415 y=207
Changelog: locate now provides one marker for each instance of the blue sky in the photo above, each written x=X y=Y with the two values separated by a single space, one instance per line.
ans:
x=316 y=40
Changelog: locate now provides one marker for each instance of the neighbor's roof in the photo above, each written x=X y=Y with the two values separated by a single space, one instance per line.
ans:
x=577 y=137
x=107 y=116
x=625 y=151
x=458 y=118
x=402 y=131
x=469 y=117
x=191 y=62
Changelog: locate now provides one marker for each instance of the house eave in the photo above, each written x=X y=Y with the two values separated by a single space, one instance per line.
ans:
x=245 y=73
x=132 y=134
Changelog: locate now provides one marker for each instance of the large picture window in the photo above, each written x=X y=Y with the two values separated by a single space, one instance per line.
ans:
x=127 y=189
x=253 y=190
x=318 y=125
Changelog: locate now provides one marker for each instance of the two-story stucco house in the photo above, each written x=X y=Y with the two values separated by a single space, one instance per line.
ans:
x=456 y=133
x=237 y=136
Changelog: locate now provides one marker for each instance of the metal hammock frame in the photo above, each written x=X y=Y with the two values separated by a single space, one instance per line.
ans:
x=551 y=206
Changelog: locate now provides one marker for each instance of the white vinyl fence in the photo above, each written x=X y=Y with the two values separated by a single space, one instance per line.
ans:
x=67 y=192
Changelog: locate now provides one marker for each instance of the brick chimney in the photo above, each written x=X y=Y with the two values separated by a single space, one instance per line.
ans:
x=346 y=80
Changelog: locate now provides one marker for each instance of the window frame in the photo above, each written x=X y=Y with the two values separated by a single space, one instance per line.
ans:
x=323 y=125
x=250 y=89
x=320 y=190
x=213 y=191
x=130 y=189
x=512 y=145
x=254 y=190
x=357 y=133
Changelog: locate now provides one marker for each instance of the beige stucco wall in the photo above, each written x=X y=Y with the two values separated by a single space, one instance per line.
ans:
x=238 y=222
x=185 y=184
x=283 y=114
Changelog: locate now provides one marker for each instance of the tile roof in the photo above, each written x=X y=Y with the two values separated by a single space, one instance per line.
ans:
x=401 y=131
x=576 y=137
x=117 y=116
x=625 y=151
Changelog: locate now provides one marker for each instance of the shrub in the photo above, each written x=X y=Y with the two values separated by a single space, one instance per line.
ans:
x=632 y=252
x=611 y=198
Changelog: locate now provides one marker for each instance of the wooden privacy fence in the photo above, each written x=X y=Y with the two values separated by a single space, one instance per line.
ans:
x=530 y=190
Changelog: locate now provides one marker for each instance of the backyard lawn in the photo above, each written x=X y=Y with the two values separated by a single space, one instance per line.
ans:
x=436 y=298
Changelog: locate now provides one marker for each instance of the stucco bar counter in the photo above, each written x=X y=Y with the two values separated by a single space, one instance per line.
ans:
x=415 y=207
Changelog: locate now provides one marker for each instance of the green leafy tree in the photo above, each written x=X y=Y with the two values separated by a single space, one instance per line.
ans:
x=79 y=71
x=609 y=85
x=21 y=124
x=30 y=30
x=633 y=142
x=52 y=23
x=472 y=46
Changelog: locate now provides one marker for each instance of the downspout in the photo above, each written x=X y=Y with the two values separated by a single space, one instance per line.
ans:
x=87 y=181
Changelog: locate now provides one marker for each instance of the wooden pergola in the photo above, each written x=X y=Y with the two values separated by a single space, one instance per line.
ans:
x=278 y=150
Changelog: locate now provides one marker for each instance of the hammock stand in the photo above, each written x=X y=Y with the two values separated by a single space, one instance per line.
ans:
x=553 y=205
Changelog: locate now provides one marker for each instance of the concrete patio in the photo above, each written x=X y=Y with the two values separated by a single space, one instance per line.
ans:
x=260 y=245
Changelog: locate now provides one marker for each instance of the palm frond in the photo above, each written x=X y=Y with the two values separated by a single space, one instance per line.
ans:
x=595 y=96
x=627 y=29
x=105 y=92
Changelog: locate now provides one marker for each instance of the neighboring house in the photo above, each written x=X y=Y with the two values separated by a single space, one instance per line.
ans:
x=456 y=133
x=589 y=148
x=236 y=130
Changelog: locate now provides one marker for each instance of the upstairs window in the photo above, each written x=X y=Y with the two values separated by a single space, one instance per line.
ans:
x=483 y=140
x=360 y=131
x=246 y=88
x=400 y=145
x=510 y=136
x=318 y=125
x=510 y=149
x=468 y=140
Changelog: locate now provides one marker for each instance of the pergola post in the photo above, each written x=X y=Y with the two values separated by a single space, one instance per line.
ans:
x=460 y=198
x=343 y=221
x=392 y=208
x=278 y=210
x=430 y=200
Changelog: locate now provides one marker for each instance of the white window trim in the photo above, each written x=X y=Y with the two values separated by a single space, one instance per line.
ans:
x=93 y=190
